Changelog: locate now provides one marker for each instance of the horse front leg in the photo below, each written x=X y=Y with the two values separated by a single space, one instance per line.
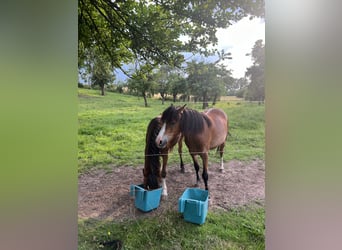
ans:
x=180 y=146
x=196 y=166
x=204 y=157
x=145 y=174
x=163 y=172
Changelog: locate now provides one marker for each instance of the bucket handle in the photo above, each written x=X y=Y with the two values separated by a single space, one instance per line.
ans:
x=138 y=188
x=190 y=201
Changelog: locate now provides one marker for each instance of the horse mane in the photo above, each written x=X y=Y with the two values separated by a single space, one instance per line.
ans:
x=170 y=114
x=152 y=153
x=192 y=122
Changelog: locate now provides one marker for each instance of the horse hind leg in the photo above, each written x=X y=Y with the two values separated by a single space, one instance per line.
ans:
x=220 y=150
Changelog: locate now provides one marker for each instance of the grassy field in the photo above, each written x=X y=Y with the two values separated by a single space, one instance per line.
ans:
x=112 y=132
x=238 y=229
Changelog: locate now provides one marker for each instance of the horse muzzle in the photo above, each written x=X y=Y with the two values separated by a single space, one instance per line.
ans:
x=161 y=143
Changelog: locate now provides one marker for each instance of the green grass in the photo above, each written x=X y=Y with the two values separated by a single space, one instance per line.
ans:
x=241 y=228
x=112 y=130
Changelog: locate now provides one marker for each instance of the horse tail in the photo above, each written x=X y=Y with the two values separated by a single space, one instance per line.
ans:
x=228 y=134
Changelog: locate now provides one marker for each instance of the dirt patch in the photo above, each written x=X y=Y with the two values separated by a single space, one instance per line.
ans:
x=105 y=194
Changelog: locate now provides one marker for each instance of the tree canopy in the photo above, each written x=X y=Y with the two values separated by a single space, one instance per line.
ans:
x=256 y=88
x=150 y=31
x=207 y=81
x=101 y=73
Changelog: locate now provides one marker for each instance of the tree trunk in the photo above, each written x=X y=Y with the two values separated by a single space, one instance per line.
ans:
x=163 y=98
x=205 y=101
x=214 y=101
x=174 y=97
x=102 y=89
x=145 y=99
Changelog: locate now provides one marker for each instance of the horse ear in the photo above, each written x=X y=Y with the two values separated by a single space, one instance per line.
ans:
x=181 y=109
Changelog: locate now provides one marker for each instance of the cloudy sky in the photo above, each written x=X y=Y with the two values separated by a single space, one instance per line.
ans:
x=238 y=39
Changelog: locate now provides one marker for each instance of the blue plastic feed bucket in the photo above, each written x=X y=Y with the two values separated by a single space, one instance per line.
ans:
x=194 y=205
x=145 y=200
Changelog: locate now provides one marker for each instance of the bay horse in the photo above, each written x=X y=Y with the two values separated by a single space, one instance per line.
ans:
x=202 y=131
x=154 y=177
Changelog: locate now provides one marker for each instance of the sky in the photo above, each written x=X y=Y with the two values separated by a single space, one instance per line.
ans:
x=239 y=39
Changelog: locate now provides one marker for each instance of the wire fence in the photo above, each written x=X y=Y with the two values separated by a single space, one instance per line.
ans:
x=201 y=152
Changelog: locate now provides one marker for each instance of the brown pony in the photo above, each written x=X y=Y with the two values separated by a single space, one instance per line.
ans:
x=153 y=177
x=201 y=132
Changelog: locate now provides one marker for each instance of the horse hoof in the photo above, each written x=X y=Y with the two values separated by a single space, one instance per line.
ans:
x=182 y=170
x=221 y=170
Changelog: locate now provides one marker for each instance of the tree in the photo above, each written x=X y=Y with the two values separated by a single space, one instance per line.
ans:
x=206 y=81
x=142 y=84
x=149 y=31
x=102 y=73
x=178 y=85
x=224 y=79
x=256 y=88
x=169 y=81
x=162 y=79
x=237 y=87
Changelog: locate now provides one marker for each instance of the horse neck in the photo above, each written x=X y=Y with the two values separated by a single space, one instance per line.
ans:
x=193 y=122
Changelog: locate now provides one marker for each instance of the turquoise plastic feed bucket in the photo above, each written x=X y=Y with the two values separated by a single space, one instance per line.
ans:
x=194 y=205
x=145 y=200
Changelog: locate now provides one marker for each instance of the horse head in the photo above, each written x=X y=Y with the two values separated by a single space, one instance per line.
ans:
x=150 y=180
x=170 y=131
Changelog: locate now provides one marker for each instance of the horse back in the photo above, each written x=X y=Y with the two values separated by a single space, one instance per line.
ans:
x=219 y=128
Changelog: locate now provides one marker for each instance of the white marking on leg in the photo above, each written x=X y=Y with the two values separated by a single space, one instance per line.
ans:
x=164 y=187
x=221 y=168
